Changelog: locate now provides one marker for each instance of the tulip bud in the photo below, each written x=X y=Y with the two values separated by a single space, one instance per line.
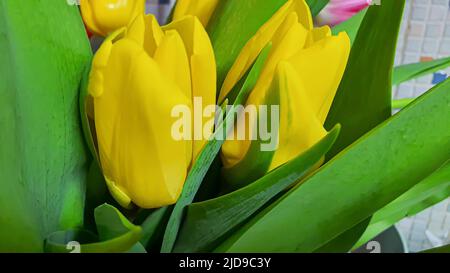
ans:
x=102 y=17
x=338 y=11
x=304 y=66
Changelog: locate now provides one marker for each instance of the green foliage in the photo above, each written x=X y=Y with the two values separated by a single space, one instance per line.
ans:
x=425 y=194
x=408 y=72
x=351 y=26
x=363 y=99
x=206 y=223
x=43 y=158
x=365 y=177
x=205 y=159
x=115 y=234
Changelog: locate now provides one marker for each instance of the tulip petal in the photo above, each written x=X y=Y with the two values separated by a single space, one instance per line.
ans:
x=105 y=16
x=173 y=61
x=299 y=127
x=304 y=13
x=291 y=39
x=321 y=67
x=264 y=35
x=317 y=34
x=202 y=9
x=146 y=31
x=138 y=154
x=203 y=66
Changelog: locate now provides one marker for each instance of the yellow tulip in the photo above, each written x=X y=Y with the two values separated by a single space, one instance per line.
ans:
x=138 y=76
x=305 y=66
x=203 y=9
x=102 y=17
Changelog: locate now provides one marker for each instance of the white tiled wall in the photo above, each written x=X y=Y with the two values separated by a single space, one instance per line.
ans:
x=425 y=35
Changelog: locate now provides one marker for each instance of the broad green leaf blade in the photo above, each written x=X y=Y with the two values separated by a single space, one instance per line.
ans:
x=442 y=249
x=208 y=222
x=96 y=194
x=425 y=194
x=345 y=241
x=401 y=103
x=112 y=224
x=205 y=159
x=316 y=6
x=351 y=26
x=153 y=227
x=43 y=158
x=255 y=163
x=361 y=180
x=253 y=166
x=408 y=72
x=191 y=186
x=363 y=99
x=60 y=242
x=116 y=234
x=137 y=248
x=233 y=23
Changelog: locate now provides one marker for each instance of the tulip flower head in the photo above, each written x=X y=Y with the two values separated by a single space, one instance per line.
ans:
x=304 y=67
x=138 y=76
x=102 y=17
x=338 y=11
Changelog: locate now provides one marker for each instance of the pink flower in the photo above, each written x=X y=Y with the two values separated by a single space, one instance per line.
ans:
x=338 y=11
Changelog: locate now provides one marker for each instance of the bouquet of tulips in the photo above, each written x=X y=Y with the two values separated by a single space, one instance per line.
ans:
x=238 y=126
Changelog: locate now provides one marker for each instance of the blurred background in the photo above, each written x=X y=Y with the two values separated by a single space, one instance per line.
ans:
x=424 y=36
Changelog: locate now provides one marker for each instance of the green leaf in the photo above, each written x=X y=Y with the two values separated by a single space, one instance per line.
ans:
x=153 y=227
x=442 y=249
x=316 y=6
x=345 y=241
x=351 y=26
x=363 y=99
x=43 y=158
x=112 y=224
x=401 y=103
x=408 y=72
x=233 y=23
x=116 y=234
x=252 y=166
x=361 y=180
x=255 y=163
x=208 y=222
x=204 y=161
x=87 y=123
x=425 y=194
x=191 y=186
